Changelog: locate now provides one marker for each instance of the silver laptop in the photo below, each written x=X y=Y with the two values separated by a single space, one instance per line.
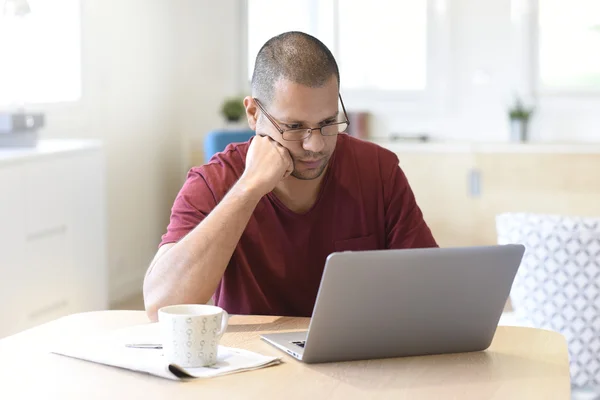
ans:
x=395 y=303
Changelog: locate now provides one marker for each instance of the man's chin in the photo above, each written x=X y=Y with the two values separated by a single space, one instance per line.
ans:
x=309 y=174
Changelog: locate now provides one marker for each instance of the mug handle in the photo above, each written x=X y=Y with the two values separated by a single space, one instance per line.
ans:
x=224 y=323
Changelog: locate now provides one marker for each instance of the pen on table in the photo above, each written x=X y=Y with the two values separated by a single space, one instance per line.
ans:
x=144 y=345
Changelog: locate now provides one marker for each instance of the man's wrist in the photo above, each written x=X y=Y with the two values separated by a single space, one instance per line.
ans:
x=246 y=188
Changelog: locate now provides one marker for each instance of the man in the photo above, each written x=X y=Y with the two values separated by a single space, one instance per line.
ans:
x=254 y=226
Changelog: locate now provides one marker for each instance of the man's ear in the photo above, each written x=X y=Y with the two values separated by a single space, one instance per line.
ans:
x=251 y=112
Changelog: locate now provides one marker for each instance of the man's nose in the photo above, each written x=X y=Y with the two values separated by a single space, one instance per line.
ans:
x=315 y=142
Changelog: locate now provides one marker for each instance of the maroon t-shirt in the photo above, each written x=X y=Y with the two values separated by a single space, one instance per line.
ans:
x=365 y=203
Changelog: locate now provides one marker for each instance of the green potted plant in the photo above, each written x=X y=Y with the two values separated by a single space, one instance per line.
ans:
x=233 y=109
x=519 y=120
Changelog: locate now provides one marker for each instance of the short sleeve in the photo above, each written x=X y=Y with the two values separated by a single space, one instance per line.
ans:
x=404 y=222
x=193 y=203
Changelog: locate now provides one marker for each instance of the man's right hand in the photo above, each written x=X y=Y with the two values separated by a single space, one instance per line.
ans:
x=267 y=164
x=202 y=256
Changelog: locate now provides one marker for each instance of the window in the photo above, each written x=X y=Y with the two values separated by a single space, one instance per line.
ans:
x=40 y=52
x=569 y=44
x=380 y=45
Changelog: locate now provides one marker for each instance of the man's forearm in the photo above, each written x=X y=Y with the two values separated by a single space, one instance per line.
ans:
x=190 y=271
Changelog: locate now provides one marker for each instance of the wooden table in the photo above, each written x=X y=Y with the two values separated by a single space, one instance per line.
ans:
x=522 y=363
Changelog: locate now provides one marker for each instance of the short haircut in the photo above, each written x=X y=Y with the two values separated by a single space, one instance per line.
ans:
x=295 y=56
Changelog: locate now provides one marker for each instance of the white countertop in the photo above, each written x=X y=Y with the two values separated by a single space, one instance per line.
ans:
x=399 y=146
x=46 y=147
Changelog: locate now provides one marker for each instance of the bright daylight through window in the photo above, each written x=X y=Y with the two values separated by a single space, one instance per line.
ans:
x=380 y=45
x=569 y=44
x=40 y=43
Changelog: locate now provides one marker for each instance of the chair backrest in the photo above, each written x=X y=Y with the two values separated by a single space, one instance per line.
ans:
x=216 y=141
x=557 y=286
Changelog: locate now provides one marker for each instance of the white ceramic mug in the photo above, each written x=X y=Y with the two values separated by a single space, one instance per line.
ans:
x=190 y=333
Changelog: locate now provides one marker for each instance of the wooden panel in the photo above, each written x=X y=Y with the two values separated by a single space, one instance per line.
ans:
x=565 y=184
x=440 y=182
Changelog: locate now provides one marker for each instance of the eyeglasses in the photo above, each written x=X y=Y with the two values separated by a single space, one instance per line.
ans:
x=302 y=134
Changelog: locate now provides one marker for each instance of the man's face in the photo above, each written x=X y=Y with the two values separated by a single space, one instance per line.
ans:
x=297 y=106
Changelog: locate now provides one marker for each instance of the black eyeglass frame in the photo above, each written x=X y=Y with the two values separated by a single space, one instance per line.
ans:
x=309 y=131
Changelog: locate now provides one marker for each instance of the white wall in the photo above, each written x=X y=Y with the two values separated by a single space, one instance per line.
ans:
x=568 y=118
x=154 y=74
x=209 y=57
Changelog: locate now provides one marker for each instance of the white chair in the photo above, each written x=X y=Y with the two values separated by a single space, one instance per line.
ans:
x=557 y=286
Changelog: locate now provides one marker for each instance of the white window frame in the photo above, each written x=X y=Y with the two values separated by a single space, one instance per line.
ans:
x=438 y=62
x=529 y=57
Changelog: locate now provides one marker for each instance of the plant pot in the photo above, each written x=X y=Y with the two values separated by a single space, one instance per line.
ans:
x=519 y=130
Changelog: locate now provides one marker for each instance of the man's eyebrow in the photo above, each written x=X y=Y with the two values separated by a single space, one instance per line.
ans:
x=285 y=121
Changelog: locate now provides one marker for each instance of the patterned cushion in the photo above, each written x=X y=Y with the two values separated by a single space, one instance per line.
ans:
x=557 y=286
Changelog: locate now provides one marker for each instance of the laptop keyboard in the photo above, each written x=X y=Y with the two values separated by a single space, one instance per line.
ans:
x=300 y=343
